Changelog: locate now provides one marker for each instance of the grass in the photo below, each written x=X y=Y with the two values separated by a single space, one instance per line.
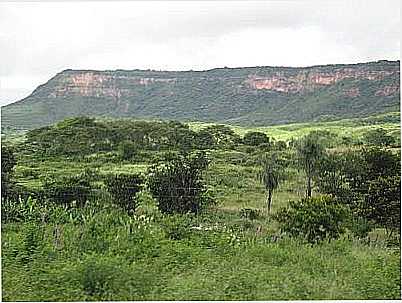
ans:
x=185 y=270
x=105 y=254
x=354 y=128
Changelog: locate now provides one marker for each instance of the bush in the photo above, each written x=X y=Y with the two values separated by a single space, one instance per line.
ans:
x=314 y=219
x=123 y=189
x=255 y=138
x=177 y=184
x=7 y=168
x=127 y=150
x=379 y=137
x=32 y=242
x=68 y=190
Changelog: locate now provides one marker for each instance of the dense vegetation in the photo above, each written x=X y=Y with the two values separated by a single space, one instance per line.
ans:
x=140 y=210
x=219 y=95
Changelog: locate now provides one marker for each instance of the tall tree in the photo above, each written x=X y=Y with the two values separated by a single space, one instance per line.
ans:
x=270 y=174
x=309 y=152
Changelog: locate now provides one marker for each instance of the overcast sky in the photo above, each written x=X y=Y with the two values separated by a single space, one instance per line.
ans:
x=38 y=40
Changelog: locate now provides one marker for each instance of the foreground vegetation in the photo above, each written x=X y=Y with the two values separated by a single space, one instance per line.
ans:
x=134 y=210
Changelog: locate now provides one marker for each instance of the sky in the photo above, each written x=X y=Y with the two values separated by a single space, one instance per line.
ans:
x=40 y=39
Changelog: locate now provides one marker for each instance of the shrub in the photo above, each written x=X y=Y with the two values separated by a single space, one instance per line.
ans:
x=314 y=219
x=123 y=189
x=127 y=149
x=178 y=185
x=379 y=137
x=7 y=168
x=255 y=138
x=68 y=190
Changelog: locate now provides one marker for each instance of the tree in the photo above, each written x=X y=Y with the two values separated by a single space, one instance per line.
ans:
x=222 y=135
x=309 y=152
x=368 y=181
x=177 y=183
x=330 y=178
x=382 y=202
x=255 y=138
x=270 y=175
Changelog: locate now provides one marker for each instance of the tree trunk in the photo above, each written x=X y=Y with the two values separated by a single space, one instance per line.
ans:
x=308 y=192
x=269 y=200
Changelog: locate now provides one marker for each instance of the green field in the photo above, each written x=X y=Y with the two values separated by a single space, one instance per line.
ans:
x=101 y=252
x=354 y=128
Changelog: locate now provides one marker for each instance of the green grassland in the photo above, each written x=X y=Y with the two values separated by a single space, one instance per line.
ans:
x=354 y=128
x=106 y=254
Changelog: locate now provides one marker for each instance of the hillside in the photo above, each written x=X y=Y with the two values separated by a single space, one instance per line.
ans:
x=254 y=96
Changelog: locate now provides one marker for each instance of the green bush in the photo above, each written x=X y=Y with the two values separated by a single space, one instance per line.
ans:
x=68 y=190
x=123 y=189
x=178 y=185
x=314 y=219
x=127 y=149
x=32 y=242
x=8 y=162
x=378 y=137
x=255 y=138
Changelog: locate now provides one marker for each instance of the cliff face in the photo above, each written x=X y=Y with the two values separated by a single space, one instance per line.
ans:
x=259 y=95
x=97 y=84
x=308 y=81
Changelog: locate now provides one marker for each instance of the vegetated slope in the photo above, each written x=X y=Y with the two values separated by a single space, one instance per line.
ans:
x=241 y=96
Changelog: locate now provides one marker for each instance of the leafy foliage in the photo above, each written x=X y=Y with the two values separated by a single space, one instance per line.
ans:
x=367 y=180
x=123 y=189
x=271 y=174
x=379 y=137
x=127 y=149
x=68 y=190
x=177 y=184
x=382 y=202
x=314 y=219
x=8 y=162
x=255 y=138
x=309 y=152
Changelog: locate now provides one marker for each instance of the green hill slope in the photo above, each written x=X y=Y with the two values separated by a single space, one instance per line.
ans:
x=253 y=96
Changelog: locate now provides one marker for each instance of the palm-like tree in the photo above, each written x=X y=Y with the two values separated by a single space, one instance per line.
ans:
x=270 y=175
x=309 y=152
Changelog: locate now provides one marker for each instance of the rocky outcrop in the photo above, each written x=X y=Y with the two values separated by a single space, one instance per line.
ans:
x=388 y=90
x=310 y=80
x=97 y=84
